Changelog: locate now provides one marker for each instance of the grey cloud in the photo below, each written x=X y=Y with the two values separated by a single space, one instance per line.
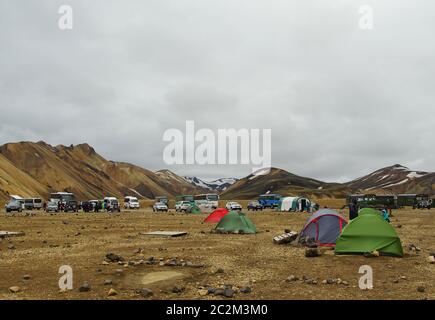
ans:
x=341 y=102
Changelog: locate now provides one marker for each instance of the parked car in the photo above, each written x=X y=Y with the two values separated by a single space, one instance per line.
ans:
x=14 y=205
x=160 y=206
x=52 y=206
x=232 y=206
x=131 y=203
x=182 y=206
x=111 y=204
x=254 y=206
x=71 y=205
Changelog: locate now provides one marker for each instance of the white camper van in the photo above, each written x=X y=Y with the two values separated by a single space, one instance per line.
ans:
x=131 y=203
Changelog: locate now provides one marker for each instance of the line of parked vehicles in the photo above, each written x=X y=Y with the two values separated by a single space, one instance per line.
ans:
x=66 y=202
x=416 y=201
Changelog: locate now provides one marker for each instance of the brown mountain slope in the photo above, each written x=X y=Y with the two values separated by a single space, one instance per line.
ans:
x=15 y=181
x=281 y=182
x=394 y=179
x=81 y=170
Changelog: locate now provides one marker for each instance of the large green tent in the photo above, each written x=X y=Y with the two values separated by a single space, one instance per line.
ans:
x=367 y=233
x=235 y=222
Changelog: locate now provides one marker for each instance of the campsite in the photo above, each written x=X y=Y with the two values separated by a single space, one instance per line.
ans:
x=112 y=258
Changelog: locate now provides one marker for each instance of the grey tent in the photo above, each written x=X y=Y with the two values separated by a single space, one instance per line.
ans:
x=324 y=226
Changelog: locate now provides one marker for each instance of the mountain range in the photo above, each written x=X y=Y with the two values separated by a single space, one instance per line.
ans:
x=37 y=169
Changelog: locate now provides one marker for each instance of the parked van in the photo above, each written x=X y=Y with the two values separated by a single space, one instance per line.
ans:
x=33 y=203
x=131 y=203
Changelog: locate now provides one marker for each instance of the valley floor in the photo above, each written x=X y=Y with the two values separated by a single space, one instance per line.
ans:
x=82 y=241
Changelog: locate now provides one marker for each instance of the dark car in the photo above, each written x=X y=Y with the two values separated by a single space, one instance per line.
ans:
x=86 y=206
x=71 y=206
x=254 y=206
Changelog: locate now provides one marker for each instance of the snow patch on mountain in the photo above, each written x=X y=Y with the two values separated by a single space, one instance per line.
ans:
x=215 y=185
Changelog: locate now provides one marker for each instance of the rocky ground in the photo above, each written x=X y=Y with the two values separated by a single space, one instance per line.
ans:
x=110 y=259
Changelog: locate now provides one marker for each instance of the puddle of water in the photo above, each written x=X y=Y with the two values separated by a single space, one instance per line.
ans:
x=161 y=276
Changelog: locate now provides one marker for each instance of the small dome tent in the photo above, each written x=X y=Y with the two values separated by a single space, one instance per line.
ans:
x=367 y=233
x=216 y=215
x=235 y=222
x=324 y=226
x=194 y=209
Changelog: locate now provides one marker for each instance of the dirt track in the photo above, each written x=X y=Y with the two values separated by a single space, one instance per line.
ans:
x=82 y=241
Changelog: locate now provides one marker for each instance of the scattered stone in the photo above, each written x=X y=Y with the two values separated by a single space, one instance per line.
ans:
x=311 y=281
x=111 y=257
x=245 y=290
x=119 y=271
x=112 y=292
x=14 y=289
x=331 y=281
x=345 y=283
x=228 y=293
x=139 y=250
x=108 y=282
x=85 y=287
x=412 y=247
x=399 y=226
x=145 y=292
x=371 y=254
x=26 y=277
x=177 y=290
x=105 y=262
x=312 y=252
x=11 y=247
x=292 y=278
x=77 y=234
x=430 y=259
x=65 y=222
x=220 y=270
x=219 y=292
x=211 y=290
x=421 y=289
x=203 y=292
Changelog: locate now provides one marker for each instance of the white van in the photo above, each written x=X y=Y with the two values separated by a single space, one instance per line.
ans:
x=131 y=203
x=33 y=203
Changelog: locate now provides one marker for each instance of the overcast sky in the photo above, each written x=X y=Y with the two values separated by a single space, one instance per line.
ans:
x=341 y=101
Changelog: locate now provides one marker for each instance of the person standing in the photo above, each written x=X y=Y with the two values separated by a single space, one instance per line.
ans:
x=353 y=210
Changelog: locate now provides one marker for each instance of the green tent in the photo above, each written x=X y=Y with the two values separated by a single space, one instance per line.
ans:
x=235 y=222
x=367 y=233
x=194 y=209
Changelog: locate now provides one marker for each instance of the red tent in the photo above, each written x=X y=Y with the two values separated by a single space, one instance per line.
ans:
x=216 y=215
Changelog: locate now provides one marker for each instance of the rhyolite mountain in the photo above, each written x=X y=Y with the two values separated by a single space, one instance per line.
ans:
x=36 y=169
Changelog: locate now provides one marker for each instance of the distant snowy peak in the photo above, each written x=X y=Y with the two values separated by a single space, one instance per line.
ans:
x=388 y=177
x=215 y=185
